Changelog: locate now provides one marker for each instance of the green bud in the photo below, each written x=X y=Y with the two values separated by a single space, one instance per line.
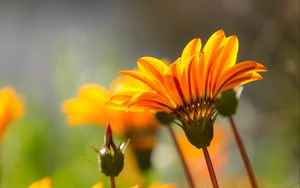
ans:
x=111 y=158
x=201 y=132
x=164 y=118
x=111 y=163
x=228 y=102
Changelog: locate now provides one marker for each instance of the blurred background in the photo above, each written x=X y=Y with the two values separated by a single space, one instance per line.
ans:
x=48 y=49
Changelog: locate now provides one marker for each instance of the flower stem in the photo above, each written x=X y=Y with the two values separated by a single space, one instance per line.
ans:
x=112 y=182
x=210 y=168
x=243 y=153
x=187 y=172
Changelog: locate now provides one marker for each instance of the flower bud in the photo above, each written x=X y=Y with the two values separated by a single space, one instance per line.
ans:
x=110 y=157
x=228 y=102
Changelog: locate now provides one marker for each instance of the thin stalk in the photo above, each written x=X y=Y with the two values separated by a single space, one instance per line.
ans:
x=243 y=153
x=187 y=172
x=112 y=182
x=210 y=168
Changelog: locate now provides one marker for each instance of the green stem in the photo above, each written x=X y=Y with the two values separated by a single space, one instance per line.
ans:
x=112 y=182
x=187 y=172
x=243 y=153
x=210 y=168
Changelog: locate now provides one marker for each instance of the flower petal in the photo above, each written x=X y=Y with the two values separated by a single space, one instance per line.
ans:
x=193 y=47
x=242 y=80
x=173 y=89
x=145 y=79
x=150 y=97
x=237 y=71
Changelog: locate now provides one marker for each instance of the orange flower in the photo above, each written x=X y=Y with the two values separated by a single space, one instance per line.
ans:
x=44 y=183
x=188 y=88
x=11 y=107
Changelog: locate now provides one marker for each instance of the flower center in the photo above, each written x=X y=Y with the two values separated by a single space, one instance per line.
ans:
x=195 y=111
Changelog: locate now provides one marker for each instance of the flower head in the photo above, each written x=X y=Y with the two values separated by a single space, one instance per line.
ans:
x=11 y=107
x=188 y=88
x=44 y=183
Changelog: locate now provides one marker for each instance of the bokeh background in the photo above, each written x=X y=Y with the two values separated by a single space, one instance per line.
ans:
x=48 y=49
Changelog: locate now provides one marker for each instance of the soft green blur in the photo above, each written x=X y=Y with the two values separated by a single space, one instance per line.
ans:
x=48 y=49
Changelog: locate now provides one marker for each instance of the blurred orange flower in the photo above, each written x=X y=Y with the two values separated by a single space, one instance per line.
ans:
x=11 y=107
x=188 y=88
x=44 y=183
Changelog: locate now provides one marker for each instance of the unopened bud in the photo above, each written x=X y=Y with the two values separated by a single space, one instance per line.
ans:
x=110 y=157
x=228 y=102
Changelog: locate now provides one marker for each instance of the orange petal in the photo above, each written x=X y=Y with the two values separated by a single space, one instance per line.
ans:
x=193 y=47
x=173 y=89
x=145 y=79
x=237 y=71
x=199 y=71
x=241 y=81
x=149 y=106
x=226 y=59
x=152 y=65
x=212 y=45
x=150 y=97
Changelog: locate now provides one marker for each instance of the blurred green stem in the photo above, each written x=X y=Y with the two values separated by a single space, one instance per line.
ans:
x=210 y=168
x=112 y=182
x=243 y=153
x=187 y=172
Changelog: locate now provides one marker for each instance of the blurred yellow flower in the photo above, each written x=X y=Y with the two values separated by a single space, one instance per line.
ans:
x=188 y=88
x=11 y=107
x=89 y=108
x=98 y=185
x=44 y=183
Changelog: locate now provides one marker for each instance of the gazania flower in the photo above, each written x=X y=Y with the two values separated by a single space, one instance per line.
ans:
x=11 y=107
x=188 y=88
x=89 y=108
x=44 y=183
